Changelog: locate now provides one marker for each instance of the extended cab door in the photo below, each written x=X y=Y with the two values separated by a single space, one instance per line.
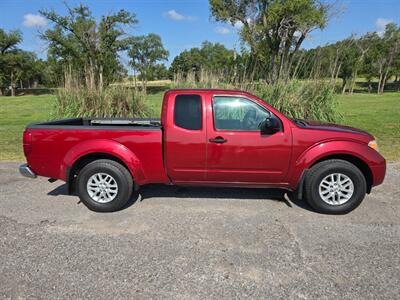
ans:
x=184 y=137
x=236 y=149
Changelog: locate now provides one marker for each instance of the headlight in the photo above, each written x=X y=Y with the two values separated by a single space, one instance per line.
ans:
x=374 y=145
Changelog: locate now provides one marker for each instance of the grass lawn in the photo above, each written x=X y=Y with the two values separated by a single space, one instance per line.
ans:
x=379 y=115
x=15 y=114
x=154 y=101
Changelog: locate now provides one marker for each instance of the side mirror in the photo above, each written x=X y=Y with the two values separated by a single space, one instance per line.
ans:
x=270 y=126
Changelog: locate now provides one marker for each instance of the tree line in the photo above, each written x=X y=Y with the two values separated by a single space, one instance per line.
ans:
x=272 y=33
x=18 y=67
x=372 y=56
x=83 y=51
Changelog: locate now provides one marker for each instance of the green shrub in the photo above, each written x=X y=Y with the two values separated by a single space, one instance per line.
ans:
x=114 y=101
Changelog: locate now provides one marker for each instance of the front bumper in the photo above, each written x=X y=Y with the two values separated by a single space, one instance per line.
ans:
x=378 y=173
x=26 y=171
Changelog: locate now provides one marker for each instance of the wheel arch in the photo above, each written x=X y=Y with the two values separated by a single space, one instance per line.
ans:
x=358 y=162
x=90 y=150
x=83 y=160
x=354 y=152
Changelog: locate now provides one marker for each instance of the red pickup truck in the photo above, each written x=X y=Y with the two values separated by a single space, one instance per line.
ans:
x=206 y=137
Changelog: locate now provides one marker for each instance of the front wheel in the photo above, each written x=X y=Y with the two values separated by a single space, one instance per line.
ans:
x=335 y=187
x=104 y=185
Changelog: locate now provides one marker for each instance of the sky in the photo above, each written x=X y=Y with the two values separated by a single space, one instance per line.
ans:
x=183 y=24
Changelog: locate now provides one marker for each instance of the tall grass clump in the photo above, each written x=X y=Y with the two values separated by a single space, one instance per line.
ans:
x=309 y=100
x=303 y=99
x=202 y=79
x=112 y=101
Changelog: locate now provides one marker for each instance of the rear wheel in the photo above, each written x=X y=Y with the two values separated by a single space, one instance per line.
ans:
x=104 y=185
x=335 y=187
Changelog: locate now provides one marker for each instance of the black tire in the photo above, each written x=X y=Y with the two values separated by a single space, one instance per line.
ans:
x=319 y=171
x=119 y=173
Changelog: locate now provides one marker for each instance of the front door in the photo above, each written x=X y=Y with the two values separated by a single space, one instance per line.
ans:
x=236 y=149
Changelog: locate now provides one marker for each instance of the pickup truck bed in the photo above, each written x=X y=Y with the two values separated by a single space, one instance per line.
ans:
x=140 y=139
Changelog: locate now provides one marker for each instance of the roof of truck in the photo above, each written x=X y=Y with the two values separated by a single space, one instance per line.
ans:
x=207 y=90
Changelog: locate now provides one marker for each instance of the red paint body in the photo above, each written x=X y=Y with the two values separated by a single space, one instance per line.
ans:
x=173 y=155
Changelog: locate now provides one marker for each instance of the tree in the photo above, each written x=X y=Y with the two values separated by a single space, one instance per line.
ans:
x=9 y=41
x=382 y=58
x=216 y=56
x=187 y=61
x=18 y=67
x=145 y=52
x=209 y=57
x=273 y=29
x=158 y=72
x=396 y=72
x=391 y=52
x=350 y=60
x=88 y=49
x=9 y=57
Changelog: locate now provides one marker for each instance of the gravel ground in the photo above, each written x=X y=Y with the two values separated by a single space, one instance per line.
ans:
x=197 y=243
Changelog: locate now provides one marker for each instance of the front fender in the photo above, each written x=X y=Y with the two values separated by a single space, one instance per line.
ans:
x=107 y=147
x=330 y=148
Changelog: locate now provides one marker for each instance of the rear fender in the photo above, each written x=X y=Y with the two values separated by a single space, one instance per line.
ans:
x=103 y=146
x=330 y=148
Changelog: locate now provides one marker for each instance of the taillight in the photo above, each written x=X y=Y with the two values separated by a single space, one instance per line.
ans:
x=27 y=142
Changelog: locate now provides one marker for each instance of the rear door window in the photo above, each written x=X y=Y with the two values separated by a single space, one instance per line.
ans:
x=187 y=112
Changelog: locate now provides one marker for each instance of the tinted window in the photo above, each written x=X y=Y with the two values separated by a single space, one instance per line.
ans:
x=236 y=113
x=187 y=112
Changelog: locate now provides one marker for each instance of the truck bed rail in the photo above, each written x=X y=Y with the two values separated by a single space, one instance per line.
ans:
x=99 y=123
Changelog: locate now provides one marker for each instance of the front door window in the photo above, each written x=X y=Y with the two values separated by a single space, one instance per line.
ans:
x=237 y=114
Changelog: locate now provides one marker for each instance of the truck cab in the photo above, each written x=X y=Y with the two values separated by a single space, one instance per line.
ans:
x=215 y=138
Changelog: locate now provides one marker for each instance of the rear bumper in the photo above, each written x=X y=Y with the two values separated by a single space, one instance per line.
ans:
x=26 y=171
